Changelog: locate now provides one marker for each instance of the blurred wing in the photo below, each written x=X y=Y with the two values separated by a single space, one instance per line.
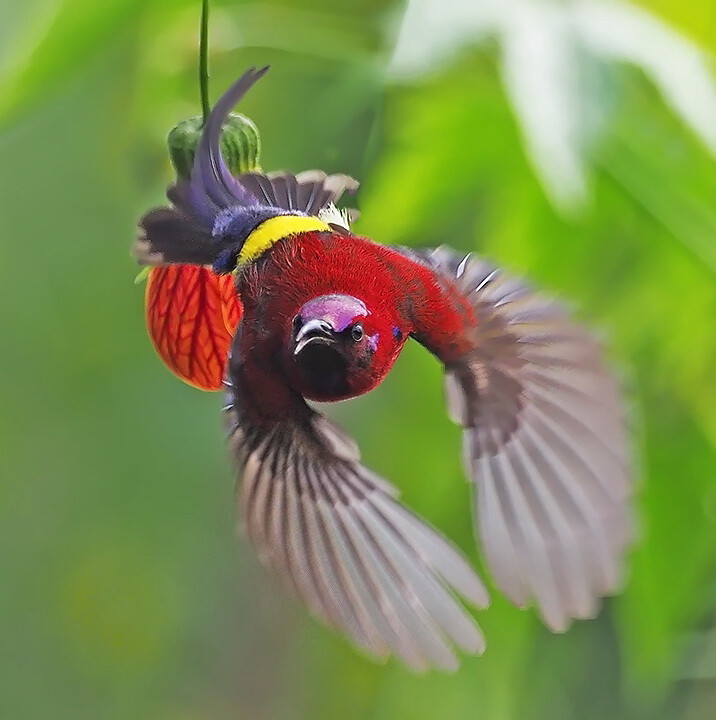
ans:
x=167 y=235
x=338 y=537
x=545 y=443
x=191 y=316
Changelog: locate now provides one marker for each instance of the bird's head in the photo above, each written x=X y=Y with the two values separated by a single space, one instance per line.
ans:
x=340 y=349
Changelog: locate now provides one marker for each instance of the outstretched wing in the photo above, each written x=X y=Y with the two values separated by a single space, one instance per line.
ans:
x=545 y=443
x=337 y=535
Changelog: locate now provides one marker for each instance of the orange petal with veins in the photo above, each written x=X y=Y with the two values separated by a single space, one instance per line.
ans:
x=230 y=305
x=191 y=316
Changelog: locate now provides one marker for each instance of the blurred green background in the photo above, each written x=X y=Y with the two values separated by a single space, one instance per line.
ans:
x=570 y=141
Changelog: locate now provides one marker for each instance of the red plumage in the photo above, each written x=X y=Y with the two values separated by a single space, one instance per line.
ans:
x=400 y=293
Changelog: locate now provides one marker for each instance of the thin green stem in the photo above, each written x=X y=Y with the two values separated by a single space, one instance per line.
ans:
x=204 y=60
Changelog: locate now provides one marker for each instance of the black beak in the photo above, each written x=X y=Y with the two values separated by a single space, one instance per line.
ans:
x=314 y=331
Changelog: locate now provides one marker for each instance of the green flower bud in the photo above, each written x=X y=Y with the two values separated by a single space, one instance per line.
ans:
x=240 y=144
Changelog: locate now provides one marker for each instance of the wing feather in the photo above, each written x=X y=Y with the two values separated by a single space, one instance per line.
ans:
x=339 y=538
x=308 y=192
x=545 y=443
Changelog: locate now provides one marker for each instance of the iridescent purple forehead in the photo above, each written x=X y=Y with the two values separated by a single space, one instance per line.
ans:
x=339 y=310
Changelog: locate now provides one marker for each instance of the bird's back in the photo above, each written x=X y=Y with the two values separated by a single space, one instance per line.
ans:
x=310 y=264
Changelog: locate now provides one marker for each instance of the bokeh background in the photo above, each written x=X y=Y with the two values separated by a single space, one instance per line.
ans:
x=572 y=141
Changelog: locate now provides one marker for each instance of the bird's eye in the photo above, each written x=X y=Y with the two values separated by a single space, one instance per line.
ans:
x=357 y=332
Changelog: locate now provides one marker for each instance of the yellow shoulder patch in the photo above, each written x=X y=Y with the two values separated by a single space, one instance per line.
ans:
x=274 y=229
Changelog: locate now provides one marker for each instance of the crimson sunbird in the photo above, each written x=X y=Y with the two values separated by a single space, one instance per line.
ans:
x=325 y=315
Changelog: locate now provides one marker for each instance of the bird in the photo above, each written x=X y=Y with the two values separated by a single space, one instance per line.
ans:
x=324 y=315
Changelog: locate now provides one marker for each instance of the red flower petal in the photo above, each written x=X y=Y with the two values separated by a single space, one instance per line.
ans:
x=230 y=304
x=191 y=316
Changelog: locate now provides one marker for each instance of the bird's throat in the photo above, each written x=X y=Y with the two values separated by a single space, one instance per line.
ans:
x=322 y=370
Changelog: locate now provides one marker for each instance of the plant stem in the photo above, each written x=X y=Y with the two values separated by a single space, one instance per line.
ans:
x=204 y=59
